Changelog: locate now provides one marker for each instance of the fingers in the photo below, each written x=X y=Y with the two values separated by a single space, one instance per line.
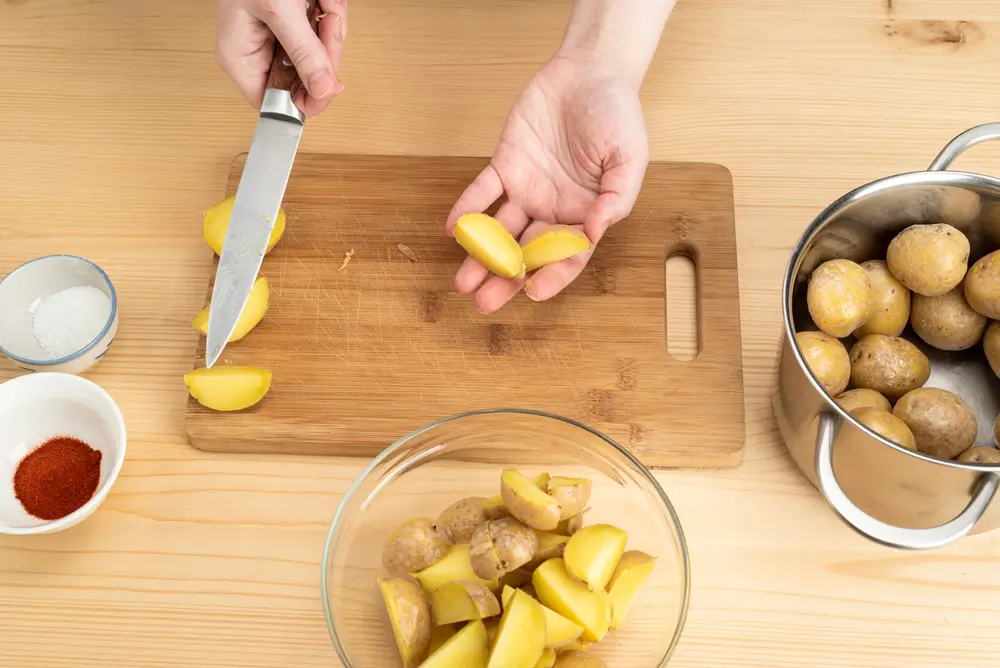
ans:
x=480 y=194
x=620 y=186
x=292 y=26
x=496 y=292
x=244 y=48
x=332 y=30
x=472 y=274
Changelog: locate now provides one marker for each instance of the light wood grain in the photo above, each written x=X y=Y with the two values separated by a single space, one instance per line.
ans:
x=117 y=131
x=364 y=352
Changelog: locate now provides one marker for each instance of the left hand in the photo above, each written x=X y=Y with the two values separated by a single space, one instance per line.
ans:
x=574 y=151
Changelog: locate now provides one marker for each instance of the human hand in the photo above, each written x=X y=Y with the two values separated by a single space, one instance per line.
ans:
x=574 y=151
x=244 y=47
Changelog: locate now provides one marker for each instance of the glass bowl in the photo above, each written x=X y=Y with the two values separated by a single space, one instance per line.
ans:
x=462 y=456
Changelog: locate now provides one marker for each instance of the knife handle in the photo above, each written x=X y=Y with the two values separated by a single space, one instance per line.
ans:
x=283 y=75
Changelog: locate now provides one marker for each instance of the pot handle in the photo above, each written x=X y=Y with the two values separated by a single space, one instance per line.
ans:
x=887 y=534
x=966 y=140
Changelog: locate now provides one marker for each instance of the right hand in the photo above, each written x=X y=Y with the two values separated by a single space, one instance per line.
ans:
x=244 y=47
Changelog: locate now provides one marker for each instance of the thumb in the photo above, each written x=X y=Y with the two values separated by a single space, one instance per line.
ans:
x=620 y=186
x=291 y=26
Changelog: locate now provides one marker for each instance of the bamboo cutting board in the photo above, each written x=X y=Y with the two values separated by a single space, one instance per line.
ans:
x=363 y=355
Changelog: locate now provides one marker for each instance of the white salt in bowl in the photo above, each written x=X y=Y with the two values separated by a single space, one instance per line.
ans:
x=40 y=406
x=41 y=330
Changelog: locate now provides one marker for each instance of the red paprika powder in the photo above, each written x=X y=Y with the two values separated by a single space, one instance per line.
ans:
x=57 y=477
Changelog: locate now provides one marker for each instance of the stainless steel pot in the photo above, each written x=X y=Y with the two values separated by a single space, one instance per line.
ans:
x=892 y=495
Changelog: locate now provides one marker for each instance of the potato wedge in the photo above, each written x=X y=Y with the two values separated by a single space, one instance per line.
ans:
x=462 y=601
x=469 y=648
x=413 y=546
x=494 y=504
x=253 y=312
x=571 y=599
x=463 y=517
x=548 y=658
x=216 y=224
x=573 y=494
x=409 y=617
x=559 y=631
x=579 y=659
x=520 y=637
x=550 y=546
x=455 y=565
x=228 y=387
x=632 y=572
x=553 y=244
x=488 y=241
x=501 y=546
x=527 y=502
x=592 y=554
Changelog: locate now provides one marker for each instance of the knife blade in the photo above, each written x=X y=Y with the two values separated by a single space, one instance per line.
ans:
x=258 y=197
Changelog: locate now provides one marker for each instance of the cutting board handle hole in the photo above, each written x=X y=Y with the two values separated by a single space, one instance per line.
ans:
x=681 y=296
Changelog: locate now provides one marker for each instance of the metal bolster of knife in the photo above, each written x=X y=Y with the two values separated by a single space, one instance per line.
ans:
x=278 y=105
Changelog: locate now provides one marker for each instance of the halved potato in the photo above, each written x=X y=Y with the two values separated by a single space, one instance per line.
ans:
x=228 y=387
x=216 y=225
x=250 y=317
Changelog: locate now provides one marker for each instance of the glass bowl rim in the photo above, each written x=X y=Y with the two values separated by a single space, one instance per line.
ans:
x=685 y=560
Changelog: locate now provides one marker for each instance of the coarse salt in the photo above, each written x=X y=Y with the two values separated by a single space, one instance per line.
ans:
x=66 y=321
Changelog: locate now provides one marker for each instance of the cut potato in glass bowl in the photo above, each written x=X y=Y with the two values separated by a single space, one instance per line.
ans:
x=465 y=456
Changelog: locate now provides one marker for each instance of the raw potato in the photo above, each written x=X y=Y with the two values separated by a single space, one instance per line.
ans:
x=571 y=599
x=250 y=317
x=228 y=387
x=526 y=502
x=409 y=617
x=571 y=493
x=828 y=360
x=593 y=553
x=839 y=297
x=547 y=660
x=462 y=601
x=413 y=546
x=520 y=637
x=462 y=518
x=501 y=546
x=455 y=565
x=559 y=631
x=885 y=424
x=942 y=423
x=469 y=648
x=982 y=285
x=980 y=454
x=889 y=365
x=570 y=526
x=217 y=224
x=947 y=322
x=890 y=302
x=991 y=346
x=860 y=398
x=553 y=244
x=488 y=241
x=632 y=572
x=930 y=260
x=580 y=659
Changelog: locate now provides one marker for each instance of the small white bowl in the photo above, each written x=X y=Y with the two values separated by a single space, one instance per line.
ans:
x=23 y=289
x=37 y=407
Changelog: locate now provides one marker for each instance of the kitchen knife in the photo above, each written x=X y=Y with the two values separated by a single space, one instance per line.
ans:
x=258 y=198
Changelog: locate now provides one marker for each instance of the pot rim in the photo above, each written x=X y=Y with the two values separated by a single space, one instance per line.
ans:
x=927 y=177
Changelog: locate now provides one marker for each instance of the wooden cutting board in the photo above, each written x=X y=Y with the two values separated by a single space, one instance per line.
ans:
x=364 y=355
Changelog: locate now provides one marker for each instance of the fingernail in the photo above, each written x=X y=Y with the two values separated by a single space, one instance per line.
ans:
x=320 y=84
x=338 y=28
x=338 y=87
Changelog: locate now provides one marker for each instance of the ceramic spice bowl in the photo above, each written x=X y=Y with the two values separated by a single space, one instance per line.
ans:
x=57 y=313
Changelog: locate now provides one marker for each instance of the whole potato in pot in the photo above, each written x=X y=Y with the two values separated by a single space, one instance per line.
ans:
x=827 y=358
x=929 y=259
x=861 y=398
x=942 y=423
x=890 y=302
x=991 y=346
x=889 y=365
x=839 y=297
x=980 y=454
x=982 y=285
x=884 y=423
x=947 y=322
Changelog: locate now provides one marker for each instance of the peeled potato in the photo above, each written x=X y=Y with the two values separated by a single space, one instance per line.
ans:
x=593 y=553
x=980 y=454
x=890 y=302
x=217 y=224
x=860 y=398
x=559 y=631
x=501 y=546
x=930 y=260
x=469 y=648
x=571 y=493
x=463 y=517
x=942 y=423
x=554 y=244
x=250 y=317
x=839 y=297
x=461 y=601
x=947 y=322
x=455 y=565
x=520 y=638
x=228 y=387
x=828 y=360
x=982 y=285
x=573 y=600
x=409 y=617
x=579 y=659
x=632 y=572
x=413 y=546
x=885 y=424
x=488 y=241
x=526 y=502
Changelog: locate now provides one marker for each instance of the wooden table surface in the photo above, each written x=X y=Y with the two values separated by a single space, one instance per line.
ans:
x=116 y=132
